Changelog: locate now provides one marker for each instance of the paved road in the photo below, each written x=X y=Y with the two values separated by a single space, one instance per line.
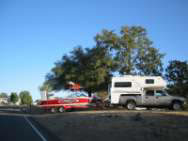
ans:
x=16 y=128
x=19 y=128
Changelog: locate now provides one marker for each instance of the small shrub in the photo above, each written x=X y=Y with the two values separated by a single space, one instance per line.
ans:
x=102 y=94
x=186 y=105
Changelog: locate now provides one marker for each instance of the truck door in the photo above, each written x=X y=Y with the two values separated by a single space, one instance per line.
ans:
x=149 y=98
x=161 y=98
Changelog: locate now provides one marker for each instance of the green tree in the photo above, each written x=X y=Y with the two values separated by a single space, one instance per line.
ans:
x=133 y=50
x=14 y=97
x=130 y=52
x=177 y=76
x=25 y=97
x=92 y=68
x=3 y=95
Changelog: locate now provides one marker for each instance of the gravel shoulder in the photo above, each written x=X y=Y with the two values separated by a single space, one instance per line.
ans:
x=117 y=125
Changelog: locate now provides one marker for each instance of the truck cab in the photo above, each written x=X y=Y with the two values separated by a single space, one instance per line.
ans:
x=160 y=98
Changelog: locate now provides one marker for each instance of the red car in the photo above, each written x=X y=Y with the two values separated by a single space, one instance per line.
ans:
x=77 y=100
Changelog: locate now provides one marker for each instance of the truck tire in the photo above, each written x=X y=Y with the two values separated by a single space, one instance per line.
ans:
x=131 y=105
x=53 y=110
x=176 y=105
x=61 y=109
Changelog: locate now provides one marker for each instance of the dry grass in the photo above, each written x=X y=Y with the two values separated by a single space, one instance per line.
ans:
x=117 y=125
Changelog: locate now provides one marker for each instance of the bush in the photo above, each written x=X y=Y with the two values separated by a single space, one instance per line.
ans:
x=25 y=97
x=102 y=94
x=186 y=105
x=14 y=97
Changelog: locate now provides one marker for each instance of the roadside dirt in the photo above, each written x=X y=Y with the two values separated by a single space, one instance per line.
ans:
x=117 y=125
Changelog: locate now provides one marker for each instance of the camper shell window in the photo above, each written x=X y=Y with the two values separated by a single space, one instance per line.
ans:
x=149 y=81
x=123 y=84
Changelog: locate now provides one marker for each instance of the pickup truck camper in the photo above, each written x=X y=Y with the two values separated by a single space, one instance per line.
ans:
x=142 y=91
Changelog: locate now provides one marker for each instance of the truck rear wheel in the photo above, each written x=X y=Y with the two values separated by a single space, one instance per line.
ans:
x=61 y=109
x=131 y=105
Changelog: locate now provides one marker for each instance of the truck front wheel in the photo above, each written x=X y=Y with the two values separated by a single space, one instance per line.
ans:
x=176 y=105
x=131 y=105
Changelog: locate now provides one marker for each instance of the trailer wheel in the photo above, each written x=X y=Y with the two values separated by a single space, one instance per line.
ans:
x=53 y=110
x=61 y=109
x=131 y=105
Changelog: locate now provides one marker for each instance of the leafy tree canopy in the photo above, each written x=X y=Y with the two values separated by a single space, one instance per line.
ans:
x=91 y=68
x=129 y=52
x=177 y=75
x=133 y=50
x=25 y=97
x=14 y=97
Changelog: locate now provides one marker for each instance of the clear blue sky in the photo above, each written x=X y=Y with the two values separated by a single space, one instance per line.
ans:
x=36 y=33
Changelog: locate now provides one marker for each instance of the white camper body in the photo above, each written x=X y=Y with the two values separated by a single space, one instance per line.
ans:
x=133 y=85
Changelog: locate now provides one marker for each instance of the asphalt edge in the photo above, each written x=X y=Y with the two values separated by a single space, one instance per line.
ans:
x=43 y=130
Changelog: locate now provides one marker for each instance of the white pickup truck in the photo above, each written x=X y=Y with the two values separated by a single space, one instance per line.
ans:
x=142 y=91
